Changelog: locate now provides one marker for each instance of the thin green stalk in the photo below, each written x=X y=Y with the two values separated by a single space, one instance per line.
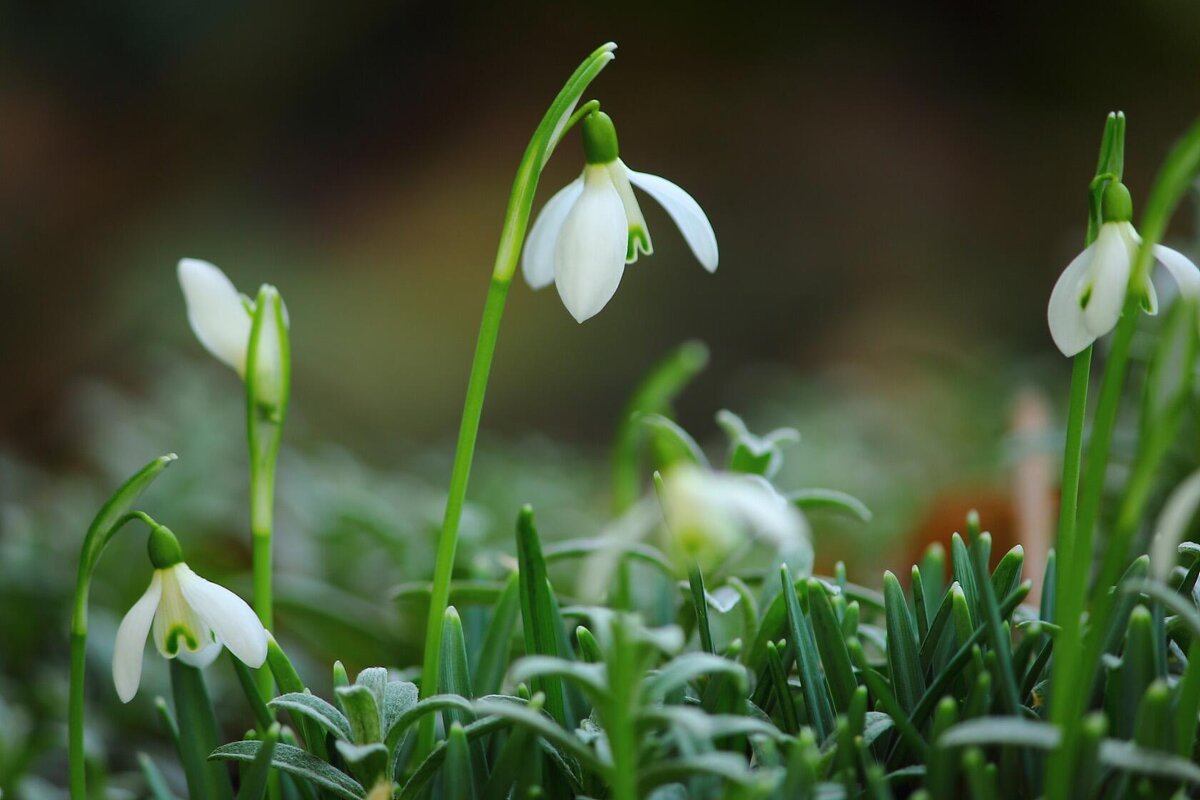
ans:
x=111 y=517
x=268 y=383
x=549 y=132
x=1073 y=665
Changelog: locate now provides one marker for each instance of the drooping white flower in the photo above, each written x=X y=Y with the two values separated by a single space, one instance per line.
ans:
x=710 y=515
x=1089 y=295
x=191 y=618
x=588 y=231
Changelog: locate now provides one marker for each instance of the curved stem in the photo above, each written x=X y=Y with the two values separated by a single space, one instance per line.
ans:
x=557 y=120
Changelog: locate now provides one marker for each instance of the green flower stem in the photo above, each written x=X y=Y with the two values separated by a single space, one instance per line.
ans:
x=111 y=517
x=268 y=386
x=1074 y=665
x=556 y=122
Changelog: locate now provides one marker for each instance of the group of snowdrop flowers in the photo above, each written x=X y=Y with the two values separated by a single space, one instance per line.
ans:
x=1087 y=300
x=581 y=241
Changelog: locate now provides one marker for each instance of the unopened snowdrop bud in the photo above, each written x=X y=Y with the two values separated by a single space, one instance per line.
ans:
x=190 y=618
x=1088 y=298
x=221 y=317
x=268 y=362
x=589 y=231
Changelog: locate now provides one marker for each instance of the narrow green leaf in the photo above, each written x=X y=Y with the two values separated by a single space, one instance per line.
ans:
x=831 y=645
x=457 y=784
x=885 y=697
x=288 y=681
x=263 y=718
x=1188 y=707
x=672 y=444
x=783 y=693
x=305 y=704
x=398 y=697
x=358 y=704
x=812 y=681
x=1009 y=731
x=254 y=779
x=700 y=605
x=297 y=762
x=589 y=648
x=513 y=757
x=1152 y=728
x=904 y=661
x=368 y=762
x=964 y=573
x=492 y=658
x=832 y=499
x=981 y=776
x=653 y=396
x=1128 y=683
x=198 y=722
x=999 y=638
x=544 y=631
x=683 y=669
x=156 y=782
x=943 y=761
x=456 y=672
x=1007 y=574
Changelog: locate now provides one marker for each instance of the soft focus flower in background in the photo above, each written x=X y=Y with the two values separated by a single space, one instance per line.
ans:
x=191 y=619
x=588 y=231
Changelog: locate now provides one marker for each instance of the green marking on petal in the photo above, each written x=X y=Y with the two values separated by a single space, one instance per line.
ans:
x=175 y=634
x=1085 y=298
x=639 y=241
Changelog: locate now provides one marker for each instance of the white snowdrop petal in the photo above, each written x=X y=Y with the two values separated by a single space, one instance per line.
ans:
x=687 y=214
x=1173 y=524
x=537 y=262
x=1065 y=312
x=232 y=621
x=1108 y=280
x=1185 y=273
x=201 y=658
x=215 y=311
x=130 y=643
x=638 y=234
x=589 y=257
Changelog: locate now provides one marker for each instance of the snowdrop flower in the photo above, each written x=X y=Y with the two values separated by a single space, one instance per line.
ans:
x=1087 y=300
x=710 y=515
x=222 y=319
x=589 y=231
x=190 y=618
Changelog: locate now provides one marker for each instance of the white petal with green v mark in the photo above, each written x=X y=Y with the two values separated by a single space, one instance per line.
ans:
x=220 y=316
x=686 y=213
x=590 y=229
x=589 y=256
x=190 y=618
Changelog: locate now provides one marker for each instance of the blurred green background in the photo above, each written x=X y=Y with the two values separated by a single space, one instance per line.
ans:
x=884 y=179
x=895 y=188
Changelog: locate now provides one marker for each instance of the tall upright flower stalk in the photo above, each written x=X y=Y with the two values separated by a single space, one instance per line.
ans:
x=268 y=383
x=250 y=336
x=1077 y=653
x=559 y=118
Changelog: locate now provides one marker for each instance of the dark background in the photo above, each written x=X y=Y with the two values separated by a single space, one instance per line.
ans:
x=887 y=180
